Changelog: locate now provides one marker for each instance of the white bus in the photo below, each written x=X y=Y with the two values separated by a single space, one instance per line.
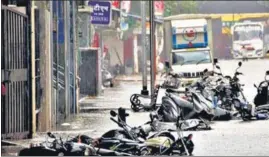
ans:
x=250 y=40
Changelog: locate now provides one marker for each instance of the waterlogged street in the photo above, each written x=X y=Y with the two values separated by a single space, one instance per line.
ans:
x=63 y=74
x=227 y=138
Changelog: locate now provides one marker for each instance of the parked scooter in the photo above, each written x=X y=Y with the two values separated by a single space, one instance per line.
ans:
x=247 y=110
x=107 y=78
x=262 y=96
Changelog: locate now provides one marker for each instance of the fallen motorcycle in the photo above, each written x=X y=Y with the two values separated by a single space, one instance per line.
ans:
x=137 y=141
x=137 y=105
x=174 y=106
x=55 y=148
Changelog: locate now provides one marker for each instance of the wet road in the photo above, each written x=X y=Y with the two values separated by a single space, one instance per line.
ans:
x=226 y=138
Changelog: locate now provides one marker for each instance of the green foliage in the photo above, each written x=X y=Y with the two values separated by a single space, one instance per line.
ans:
x=188 y=7
x=171 y=8
x=180 y=7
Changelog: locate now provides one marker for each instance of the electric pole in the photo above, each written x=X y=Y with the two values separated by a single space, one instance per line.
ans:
x=152 y=48
x=144 y=91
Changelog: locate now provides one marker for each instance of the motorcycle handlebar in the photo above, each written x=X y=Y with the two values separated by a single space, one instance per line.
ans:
x=116 y=122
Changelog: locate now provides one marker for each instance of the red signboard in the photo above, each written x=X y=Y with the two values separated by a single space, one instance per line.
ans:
x=159 y=7
x=115 y=4
x=95 y=40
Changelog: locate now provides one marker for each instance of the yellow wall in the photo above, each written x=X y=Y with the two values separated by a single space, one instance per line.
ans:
x=228 y=19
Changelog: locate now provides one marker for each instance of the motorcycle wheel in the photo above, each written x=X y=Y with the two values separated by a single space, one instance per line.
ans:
x=60 y=154
x=144 y=152
x=111 y=84
x=135 y=108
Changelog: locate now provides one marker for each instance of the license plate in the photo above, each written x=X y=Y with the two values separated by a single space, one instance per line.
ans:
x=192 y=49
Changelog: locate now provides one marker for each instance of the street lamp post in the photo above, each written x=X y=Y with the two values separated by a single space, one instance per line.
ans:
x=144 y=91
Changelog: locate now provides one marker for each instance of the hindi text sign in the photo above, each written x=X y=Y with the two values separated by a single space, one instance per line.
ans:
x=101 y=14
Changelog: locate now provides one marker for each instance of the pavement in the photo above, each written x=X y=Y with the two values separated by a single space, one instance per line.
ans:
x=228 y=138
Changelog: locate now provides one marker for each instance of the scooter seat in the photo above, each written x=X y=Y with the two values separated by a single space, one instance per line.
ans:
x=170 y=90
x=263 y=107
x=181 y=102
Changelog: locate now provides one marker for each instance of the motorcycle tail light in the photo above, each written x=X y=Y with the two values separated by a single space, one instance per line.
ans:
x=190 y=137
x=31 y=145
x=184 y=97
x=250 y=48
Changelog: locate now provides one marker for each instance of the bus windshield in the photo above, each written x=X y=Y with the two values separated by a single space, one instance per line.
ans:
x=196 y=57
x=247 y=32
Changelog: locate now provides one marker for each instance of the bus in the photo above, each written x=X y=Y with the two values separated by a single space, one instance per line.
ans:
x=249 y=40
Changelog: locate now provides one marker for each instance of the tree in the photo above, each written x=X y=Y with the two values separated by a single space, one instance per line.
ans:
x=189 y=7
x=180 y=7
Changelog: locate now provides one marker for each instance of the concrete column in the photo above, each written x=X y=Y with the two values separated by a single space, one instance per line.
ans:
x=136 y=69
x=84 y=26
x=75 y=51
x=45 y=33
x=33 y=67
x=67 y=56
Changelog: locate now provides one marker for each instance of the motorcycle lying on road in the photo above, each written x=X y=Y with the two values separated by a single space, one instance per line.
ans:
x=55 y=148
x=79 y=146
x=191 y=109
x=137 y=141
x=136 y=104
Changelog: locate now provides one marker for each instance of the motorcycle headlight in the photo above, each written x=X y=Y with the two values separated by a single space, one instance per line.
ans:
x=259 y=51
x=236 y=52
x=87 y=152
x=265 y=84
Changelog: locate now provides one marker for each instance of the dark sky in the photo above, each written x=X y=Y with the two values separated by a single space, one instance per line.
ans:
x=207 y=7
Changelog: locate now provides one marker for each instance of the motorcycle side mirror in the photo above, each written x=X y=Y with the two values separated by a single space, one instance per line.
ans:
x=51 y=135
x=152 y=116
x=205 y=71
x=113 y=113
x=240 y=64
x=255 y=85
x=267 y=72
x=215 y=60
x=167 y=64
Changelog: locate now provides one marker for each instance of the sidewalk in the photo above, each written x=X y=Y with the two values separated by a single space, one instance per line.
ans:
x=134 y=77
x=113 y=98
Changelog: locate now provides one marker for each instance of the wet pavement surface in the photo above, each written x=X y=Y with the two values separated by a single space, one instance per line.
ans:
x=227 y=138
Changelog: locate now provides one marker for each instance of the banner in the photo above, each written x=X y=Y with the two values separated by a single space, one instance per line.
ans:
x=159 y=8
x=126 y=6
x=115 y=4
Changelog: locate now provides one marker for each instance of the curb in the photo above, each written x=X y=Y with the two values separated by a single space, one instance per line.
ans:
x=92 y=109
x=123 y=80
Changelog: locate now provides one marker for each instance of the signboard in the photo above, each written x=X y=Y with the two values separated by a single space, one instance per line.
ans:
x=102 y=13
x=189 y=37
x=189 y=34
x=247 y=28
x=116 y=4
x=126 y=6
x=159 y=8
